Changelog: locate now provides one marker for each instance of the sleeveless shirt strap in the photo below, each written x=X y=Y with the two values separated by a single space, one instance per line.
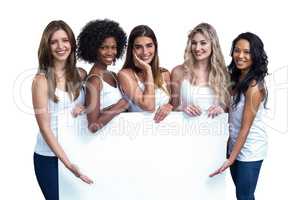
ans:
x=96 y=75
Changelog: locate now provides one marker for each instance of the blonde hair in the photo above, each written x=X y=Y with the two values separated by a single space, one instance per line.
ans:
x=218 y=76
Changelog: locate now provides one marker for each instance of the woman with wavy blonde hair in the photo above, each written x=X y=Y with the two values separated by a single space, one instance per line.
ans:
x=201 y=83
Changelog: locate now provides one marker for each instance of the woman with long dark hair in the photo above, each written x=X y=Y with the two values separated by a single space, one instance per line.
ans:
x=247 y=145
x=143 y=81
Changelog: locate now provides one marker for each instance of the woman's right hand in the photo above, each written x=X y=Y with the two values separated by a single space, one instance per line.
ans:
x=140 y=63
x=75 y=170
x=192 y=110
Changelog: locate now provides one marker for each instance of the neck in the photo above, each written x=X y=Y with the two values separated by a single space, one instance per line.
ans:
x=59 y=68
x=100 y=65
x=243 y=74
x=201 y=65
x=59 y=65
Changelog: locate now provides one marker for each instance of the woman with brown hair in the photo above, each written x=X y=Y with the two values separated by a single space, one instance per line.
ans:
x=144 y=82
x=56 y=88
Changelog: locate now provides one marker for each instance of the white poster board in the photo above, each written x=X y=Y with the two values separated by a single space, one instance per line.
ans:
x=133 y=158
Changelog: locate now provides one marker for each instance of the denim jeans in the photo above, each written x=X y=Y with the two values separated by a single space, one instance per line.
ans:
x=245 y=176
x=46 y=171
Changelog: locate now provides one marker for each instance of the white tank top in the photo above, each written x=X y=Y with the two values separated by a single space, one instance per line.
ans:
x=255 y=147
x=65 y=104
x=202 y=96
x=109 y=95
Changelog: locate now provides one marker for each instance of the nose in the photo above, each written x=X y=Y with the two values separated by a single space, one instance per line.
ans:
x=240 y=55
x=60 y=44
x=198 y=46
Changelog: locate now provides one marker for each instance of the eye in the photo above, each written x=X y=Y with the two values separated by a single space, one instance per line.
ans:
x=103 y=47
x=203 y=43
x=246 y=52
x=149 y=45
x=236 y=50
x=137 y=47
x=52 y=42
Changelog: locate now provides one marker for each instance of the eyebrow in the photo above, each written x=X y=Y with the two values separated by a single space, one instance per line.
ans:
x=203 y=40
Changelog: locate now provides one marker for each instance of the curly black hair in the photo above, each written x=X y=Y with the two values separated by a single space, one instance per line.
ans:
x=258 y=70
x=92 y=36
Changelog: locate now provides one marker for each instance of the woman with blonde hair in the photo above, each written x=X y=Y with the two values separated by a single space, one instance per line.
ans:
x=200 y=83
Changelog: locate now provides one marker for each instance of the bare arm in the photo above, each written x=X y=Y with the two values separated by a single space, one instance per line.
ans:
x=97 y=118
x=176 y=78
x=144 y=99
x=40 y=105
x=165 y=109
x=254 y=97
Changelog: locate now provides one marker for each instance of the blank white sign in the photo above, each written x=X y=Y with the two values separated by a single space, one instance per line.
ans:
x=133 y=158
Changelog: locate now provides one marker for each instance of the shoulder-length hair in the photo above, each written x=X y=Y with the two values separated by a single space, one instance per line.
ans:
x=139 y=31
x=258 y=69
x=218 y=77
x=46 y=62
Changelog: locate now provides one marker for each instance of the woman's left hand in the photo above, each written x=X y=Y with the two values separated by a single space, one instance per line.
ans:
x=79 y=109
x=215 y=110
x=225 y=165
x=162 y=112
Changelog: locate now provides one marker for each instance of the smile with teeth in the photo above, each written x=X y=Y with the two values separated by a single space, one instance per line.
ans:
x=61 y=52
x=240 y=62
x=109 y=58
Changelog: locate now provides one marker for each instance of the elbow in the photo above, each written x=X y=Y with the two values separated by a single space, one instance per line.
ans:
x=94 y=127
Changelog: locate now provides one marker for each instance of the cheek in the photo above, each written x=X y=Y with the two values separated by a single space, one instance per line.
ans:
x=136 y=51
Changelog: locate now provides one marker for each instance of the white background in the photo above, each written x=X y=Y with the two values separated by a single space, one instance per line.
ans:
x=22 y=23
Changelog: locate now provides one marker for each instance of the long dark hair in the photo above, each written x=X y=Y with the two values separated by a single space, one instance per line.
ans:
x=258 y=69
x=139 y=31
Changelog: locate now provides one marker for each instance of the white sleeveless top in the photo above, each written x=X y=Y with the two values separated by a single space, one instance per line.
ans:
x=202 y=96
x=161 y=98
x=255 y=147
x=65 y=104
x=109 y=95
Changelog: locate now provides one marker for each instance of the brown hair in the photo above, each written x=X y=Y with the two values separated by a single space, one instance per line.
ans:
x=139 y=31
x=46 y=64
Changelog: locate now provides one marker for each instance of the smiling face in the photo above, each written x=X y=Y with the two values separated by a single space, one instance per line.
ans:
x=107 y=51
x=144 y=48
x=60 y=46
x=242 y=56
x=200 y=47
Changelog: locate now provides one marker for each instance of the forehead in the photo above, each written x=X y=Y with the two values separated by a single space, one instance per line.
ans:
x=242 y=44
x=142 y=40
x=199 y=37
x=59 y=34
x=109 y=41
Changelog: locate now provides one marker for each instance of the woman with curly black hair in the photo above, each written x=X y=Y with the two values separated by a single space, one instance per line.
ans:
x=101 y=42
x=144 y=82
x=247 y=145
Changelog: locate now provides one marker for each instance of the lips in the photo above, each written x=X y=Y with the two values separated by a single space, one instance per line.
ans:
x=240 y=62
x=61 y=52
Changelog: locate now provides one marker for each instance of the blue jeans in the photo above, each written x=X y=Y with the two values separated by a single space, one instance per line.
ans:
x=245 y=176
x=46 y=171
